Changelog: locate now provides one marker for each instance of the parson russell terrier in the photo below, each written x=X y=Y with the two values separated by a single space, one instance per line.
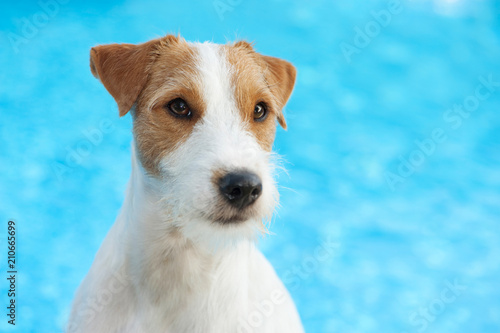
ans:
x=180 y=257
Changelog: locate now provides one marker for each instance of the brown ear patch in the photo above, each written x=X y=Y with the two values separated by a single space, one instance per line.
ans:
x=123 y=69
x=257 y=78
x=280 y=75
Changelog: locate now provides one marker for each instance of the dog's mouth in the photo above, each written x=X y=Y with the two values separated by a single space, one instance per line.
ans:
x=223 y=213
x=239 y=218
x=229 y=216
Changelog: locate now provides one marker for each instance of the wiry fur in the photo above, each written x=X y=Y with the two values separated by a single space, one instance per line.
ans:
x=175 y=261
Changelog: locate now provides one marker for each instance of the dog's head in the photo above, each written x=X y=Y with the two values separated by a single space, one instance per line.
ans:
x=204 y=124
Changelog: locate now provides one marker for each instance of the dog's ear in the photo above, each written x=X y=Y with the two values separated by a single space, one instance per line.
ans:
x=281 y=80
x=123 y=70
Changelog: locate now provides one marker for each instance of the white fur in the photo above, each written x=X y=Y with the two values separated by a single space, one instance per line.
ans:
x=164 y=266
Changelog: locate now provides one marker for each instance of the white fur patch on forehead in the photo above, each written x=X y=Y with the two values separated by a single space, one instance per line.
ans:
x=215 y=73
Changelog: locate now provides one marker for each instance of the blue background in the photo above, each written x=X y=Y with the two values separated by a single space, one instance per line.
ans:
x=352 y=121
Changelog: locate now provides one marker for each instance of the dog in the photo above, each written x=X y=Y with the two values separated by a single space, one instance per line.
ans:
x=181 y=256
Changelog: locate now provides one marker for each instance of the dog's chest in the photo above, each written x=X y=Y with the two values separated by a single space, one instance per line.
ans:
x=188 y=293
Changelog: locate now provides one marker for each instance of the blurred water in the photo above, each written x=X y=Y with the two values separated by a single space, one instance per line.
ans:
x=420 y=253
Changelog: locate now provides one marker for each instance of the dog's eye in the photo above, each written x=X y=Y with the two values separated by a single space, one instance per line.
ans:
x=179 y=108
x=260 y=112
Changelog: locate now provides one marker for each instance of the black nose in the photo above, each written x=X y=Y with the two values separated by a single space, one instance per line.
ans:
x=241 y=188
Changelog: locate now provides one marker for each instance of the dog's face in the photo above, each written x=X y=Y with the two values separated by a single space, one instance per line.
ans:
x=204 y=123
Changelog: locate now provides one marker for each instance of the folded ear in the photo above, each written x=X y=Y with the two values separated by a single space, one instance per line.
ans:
x=281 y=79
x=123 y=70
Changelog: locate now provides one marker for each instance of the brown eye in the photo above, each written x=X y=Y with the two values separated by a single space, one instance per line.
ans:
x=179 y=108
x=259 y=112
